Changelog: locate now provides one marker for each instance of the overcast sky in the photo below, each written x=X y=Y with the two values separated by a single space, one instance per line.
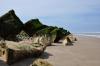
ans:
x=74 y=15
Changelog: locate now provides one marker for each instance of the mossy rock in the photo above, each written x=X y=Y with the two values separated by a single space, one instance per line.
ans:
x=54 y=33
x=60 y=33
x=40 y=62
x=14 y=51
x=46 y=30
x=47 y=33
x=22 y=35
x=32 y=26
x=10 y=25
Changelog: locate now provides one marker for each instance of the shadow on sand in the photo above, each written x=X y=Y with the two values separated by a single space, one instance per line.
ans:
x=25 y=62
x=28 y=61
x=46 y=55
x=2 y=63
x=69 y=44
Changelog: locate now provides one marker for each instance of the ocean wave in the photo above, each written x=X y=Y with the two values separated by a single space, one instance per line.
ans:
x=91 y=35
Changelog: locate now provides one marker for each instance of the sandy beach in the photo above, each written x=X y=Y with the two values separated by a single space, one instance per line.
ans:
x=84 y=52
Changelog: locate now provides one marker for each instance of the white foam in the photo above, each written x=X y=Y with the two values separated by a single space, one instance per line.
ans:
x=96 y=36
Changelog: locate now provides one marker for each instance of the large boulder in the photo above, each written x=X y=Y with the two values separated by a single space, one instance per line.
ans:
x=47 y=34
x=59 y=33
x=53 y=33
x=42 y=39
x=69 y=40
x=32 y=26
x=10 y=25
x=11 y=52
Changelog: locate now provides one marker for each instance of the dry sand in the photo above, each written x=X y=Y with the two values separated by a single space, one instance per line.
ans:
x=85 y=52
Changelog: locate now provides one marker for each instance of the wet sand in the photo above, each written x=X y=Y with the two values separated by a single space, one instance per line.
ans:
x=84 y=52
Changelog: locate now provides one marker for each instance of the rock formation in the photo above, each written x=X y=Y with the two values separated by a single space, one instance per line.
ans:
x=54 y=33
x=42 y=39
x=69 y=40
x=23 y=35
x=10 y=25
x=13 y=51
x=32 y=26
x=40 y=62
x=38 y=35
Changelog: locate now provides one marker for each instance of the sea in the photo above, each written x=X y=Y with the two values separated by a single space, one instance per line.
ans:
x=91 y=34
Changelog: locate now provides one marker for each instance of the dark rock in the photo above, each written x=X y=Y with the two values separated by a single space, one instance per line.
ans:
x=32 y=26
x=48 y=34
x=60 y=33
x=54 y=33
x=10 y=25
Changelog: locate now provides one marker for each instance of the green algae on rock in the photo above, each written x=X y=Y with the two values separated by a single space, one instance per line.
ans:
x=10 y=25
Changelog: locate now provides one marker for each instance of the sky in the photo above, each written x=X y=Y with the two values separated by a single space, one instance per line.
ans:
x=74 y=15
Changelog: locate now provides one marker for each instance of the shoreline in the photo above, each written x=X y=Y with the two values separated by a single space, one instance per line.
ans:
x=93 y=36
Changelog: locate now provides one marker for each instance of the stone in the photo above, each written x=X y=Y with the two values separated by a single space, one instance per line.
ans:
x=10 y=25
x=68 y=40
x=32 y=26
x=40 y=62
x=65 y=42
x=15 y=51
x=43 y=40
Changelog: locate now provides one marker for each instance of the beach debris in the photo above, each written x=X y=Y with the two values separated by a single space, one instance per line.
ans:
x=40 y=62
